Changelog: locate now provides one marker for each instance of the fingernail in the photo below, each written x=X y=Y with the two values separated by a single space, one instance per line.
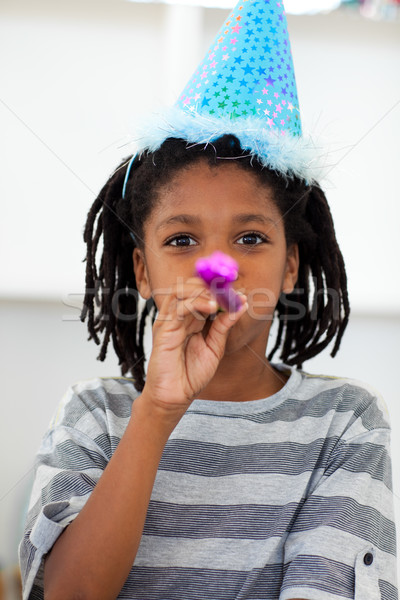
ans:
x=245 y=306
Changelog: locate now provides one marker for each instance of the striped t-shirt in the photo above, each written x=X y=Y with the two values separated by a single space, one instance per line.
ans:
x=285 y=497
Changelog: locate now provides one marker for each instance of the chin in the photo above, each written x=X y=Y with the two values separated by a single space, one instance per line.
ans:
x=254 y=336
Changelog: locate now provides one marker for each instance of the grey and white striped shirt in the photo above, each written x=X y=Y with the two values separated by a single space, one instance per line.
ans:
x=285 y=497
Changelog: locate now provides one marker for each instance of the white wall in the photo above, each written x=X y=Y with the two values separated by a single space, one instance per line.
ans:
x=74 y=75
x=77 y=73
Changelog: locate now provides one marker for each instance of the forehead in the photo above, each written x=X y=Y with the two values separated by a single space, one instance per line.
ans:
x=221 y=190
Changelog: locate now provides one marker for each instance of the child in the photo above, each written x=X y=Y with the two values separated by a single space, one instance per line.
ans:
x=216 y=474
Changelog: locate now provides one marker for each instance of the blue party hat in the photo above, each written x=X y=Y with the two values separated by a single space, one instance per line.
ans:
x=248 y=70
x=245 y=86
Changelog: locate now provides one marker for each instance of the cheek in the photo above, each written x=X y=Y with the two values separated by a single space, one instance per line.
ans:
x=262 y=303
x=264 y=298
x=163 y=280
x=265 y=294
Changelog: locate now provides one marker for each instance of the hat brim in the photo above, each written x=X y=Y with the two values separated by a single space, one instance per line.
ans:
x=289 y=155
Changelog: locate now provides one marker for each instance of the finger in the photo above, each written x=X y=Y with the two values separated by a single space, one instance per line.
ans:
x=224 y=321
x=196 y=306
x=193 y=287
x=228 y=319
x=165 y=298
x=197 y=281
x=188 y=300
x=183 y=319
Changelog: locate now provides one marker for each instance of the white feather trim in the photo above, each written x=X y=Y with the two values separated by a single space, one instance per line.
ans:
x=290 y=155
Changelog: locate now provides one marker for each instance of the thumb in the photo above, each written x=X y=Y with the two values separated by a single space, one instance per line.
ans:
x=220 y=327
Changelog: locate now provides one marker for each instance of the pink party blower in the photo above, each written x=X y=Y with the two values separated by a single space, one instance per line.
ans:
x=218 y=271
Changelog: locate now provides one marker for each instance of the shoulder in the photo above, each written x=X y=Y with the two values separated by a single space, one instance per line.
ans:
x=98 y=398
x=356 y=404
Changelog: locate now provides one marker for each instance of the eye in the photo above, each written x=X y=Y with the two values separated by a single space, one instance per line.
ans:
x=182 y=241
x=252 y=239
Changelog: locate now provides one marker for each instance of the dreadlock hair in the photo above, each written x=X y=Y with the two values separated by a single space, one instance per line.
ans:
x=309 y=318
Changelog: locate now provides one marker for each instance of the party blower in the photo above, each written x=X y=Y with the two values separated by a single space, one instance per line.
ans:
x=218 y=271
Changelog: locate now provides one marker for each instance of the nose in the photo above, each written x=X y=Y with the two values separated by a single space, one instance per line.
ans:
x=218 y=266
x=219 y=242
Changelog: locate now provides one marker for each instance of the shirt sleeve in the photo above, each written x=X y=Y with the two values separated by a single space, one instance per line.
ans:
x=71 y=459
x=343 y=542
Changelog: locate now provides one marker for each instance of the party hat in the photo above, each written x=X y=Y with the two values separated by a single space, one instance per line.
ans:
x=245 y=86
x=248 y=70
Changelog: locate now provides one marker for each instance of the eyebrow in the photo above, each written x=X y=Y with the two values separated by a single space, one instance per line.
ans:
x=243 y=218
x=185 y=219
x=257 y=218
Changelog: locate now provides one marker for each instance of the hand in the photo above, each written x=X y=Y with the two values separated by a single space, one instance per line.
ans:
x=187 y=347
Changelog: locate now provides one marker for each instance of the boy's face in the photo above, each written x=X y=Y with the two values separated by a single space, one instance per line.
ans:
x=224 y=208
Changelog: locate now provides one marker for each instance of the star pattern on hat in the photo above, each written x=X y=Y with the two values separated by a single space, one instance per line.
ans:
x=248 y=70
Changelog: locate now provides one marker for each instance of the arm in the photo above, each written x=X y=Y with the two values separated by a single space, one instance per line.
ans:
x=93 y=556
x=343 y=538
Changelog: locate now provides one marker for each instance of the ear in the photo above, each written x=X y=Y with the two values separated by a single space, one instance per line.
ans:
x=141 y=274
x=292 y=269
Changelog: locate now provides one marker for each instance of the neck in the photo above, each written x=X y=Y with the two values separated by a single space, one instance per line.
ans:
x=244 y=376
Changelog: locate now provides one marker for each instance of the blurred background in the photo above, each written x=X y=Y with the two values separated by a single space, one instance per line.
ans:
x=75 y=76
